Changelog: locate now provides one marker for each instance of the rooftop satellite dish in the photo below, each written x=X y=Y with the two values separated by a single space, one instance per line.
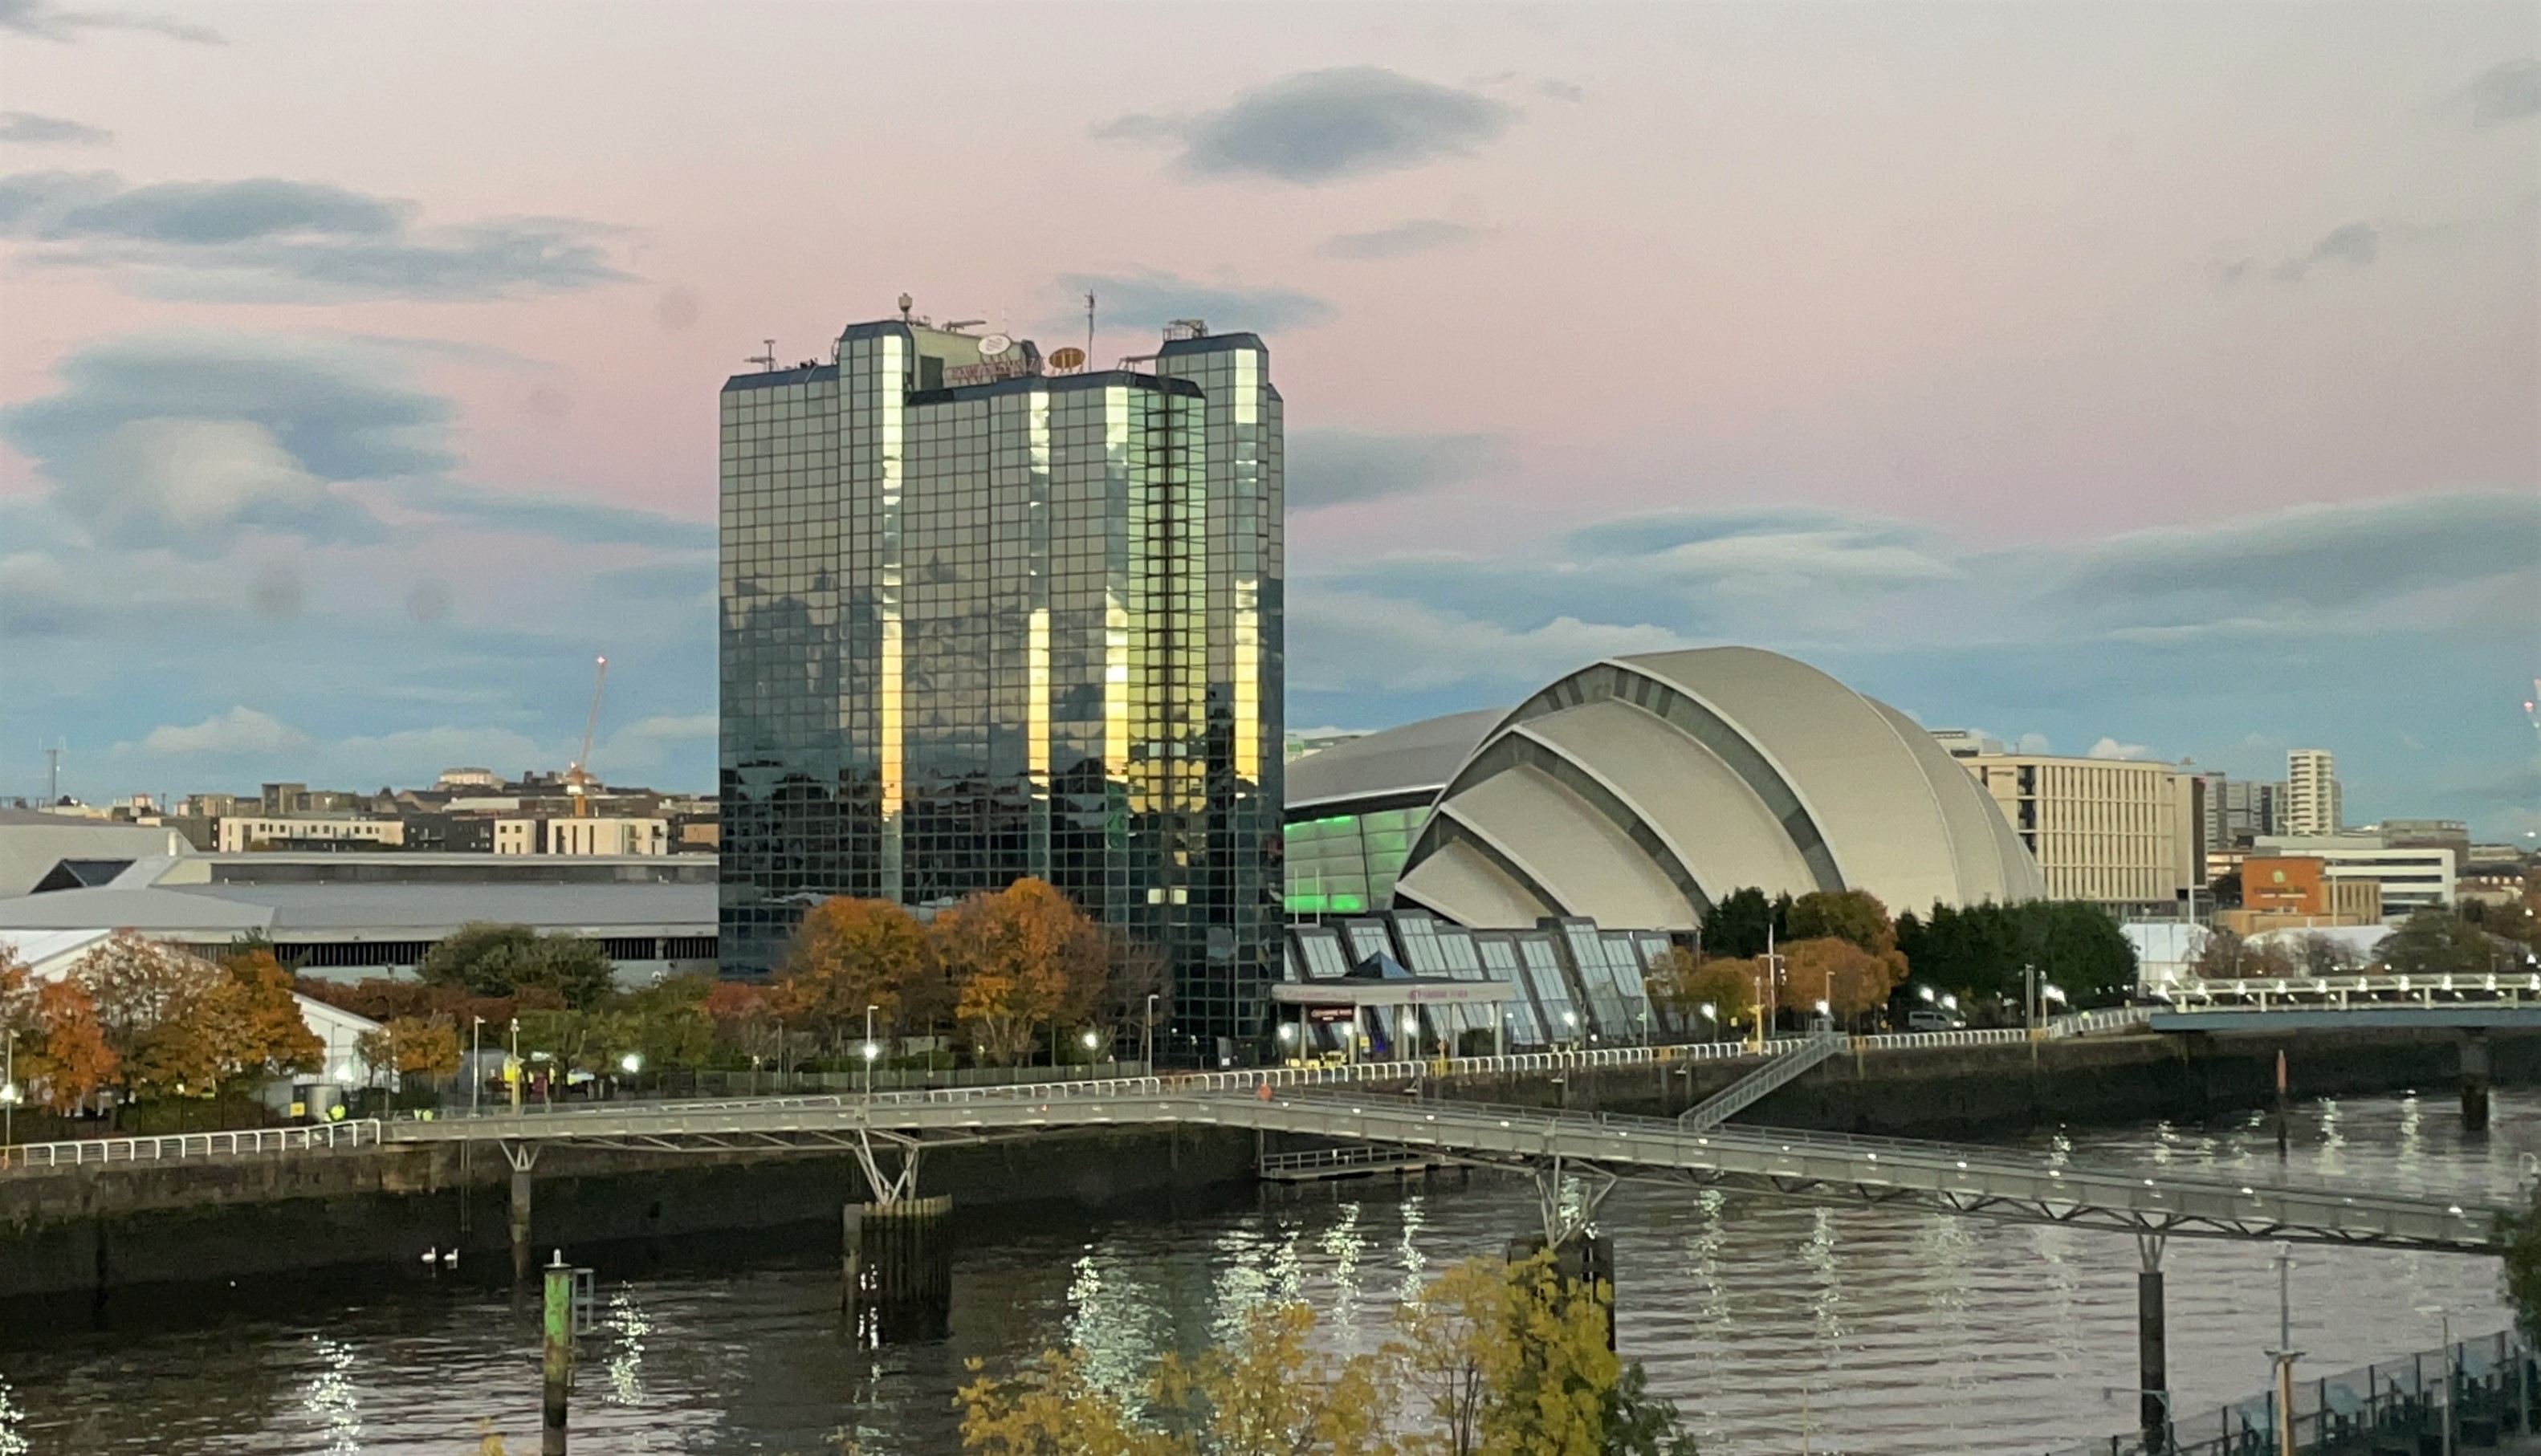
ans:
x=1067 y=358
x=994 y=344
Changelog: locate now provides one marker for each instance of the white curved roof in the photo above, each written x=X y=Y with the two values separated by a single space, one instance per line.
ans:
x=1640 y=789
x=1414 y=757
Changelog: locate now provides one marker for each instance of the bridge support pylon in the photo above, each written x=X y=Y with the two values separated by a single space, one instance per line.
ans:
x=523 y=1156
x=2152 y=1351
x=2474 y=1082
x=898 y=1263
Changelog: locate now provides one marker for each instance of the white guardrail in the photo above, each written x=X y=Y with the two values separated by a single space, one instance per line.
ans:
x=366 y=1132
x=360 y=1133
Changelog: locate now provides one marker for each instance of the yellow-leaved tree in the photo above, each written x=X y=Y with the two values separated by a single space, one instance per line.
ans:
x=1493 y=1359
x=850 y=954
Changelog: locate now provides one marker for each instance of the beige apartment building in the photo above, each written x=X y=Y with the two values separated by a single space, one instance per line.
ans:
x=2125 y=832
x=566 y=836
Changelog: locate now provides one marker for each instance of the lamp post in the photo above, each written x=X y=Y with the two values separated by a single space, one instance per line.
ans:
x=2284 y=1353
x=514 y=1069
x=476 y=1068
x=871 y=1051
x=9 y=1094
x=1712 y=1014
x=1147 y=1040
x=1091 y=1042
x=631 y=1064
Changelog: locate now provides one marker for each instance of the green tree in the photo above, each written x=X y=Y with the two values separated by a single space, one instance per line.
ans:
x=2435 y=941
x=1739 y=923
x=2076 y=947
x=1852 y=915
x=490 y=960
x=2518 y=1239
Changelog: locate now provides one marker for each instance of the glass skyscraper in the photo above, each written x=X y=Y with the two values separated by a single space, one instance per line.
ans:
x=984 y=620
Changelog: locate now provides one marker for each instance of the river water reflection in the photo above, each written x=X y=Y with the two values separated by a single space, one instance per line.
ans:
x=1771 y=1324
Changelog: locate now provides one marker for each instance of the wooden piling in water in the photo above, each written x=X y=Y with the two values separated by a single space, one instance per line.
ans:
x=2474 y=1083
x=556 y=1363
x=896 y=1263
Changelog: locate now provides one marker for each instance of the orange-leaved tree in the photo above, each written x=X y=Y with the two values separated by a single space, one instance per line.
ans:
x=252 y=1021
x=850 y=954
x=57 y=1055
x=1685 y=984
x=411 y=1046
x=1851 y=980
x=1020 y=959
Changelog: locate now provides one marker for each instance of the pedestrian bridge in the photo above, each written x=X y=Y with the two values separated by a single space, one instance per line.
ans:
x=1600 y=1147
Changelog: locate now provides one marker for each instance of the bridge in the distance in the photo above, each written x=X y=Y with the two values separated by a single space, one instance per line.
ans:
x=1600 y=1147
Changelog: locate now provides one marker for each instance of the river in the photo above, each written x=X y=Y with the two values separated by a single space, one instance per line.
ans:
x=1777 y=1328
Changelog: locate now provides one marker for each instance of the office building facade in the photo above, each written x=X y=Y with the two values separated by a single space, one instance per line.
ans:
x=2311 y=793
x=983 y=620
x=2125 y=832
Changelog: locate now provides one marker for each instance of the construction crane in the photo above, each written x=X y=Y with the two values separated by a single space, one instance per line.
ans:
x=577 y=778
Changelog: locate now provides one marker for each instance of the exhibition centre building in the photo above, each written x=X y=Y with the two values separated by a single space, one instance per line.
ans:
x=1639 y=790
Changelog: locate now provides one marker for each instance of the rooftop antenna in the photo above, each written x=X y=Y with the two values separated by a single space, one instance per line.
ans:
x=1089 y=324
x=54 y=774
x=765 y=361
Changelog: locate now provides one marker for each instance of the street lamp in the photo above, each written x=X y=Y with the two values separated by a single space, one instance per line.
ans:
x=1089 y=1039
x=631 y=1063
x=476 y=1068
x=1925 y=992
x=10 y=1095
x=1147 y=1044
x=1711 y=1013
x=871 y=1051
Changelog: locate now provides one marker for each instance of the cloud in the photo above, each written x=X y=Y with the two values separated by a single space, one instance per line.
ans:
x=26 y=128
x=590 y=523
x=676 y=309
x=240 y=731
x=1332 y=466
x=184 y=441
x=44 y=20
x=1421 y=235
x=271 y=239
x=1319 y=126
x=2509 y=91
x=2110 y=748
x=2354 y=555
x=1352 y=643
x=1150 y=299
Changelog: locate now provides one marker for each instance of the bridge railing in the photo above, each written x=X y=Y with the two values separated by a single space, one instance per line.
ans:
x=360 y=1133
x=2346 y=990
x=2390 y=1404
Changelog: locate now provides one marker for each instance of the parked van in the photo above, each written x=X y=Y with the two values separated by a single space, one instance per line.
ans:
x=1934 y=1018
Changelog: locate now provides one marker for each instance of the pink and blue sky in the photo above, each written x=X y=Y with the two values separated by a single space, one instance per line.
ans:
x=2145 y=379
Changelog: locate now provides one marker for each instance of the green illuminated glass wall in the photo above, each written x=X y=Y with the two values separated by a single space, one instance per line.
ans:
x=1346 y=864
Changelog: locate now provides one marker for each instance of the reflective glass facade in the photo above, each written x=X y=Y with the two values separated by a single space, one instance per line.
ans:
x=1015 y=625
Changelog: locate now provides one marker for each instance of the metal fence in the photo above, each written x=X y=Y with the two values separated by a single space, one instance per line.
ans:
x=245 y=1143
x=2391 y=1405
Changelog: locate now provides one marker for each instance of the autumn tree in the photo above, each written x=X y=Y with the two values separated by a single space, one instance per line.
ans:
x=411 y=1047
x=1491 y=1359
x=1685 y=985
x=68 y=1059
x=1851 y=980
x=146 y=997
x=850 y=954
x=249 y=1023
x=1019 y=959
x=60 y=1055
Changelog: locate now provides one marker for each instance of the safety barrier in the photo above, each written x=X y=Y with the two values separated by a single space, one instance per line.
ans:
x=242 y=1144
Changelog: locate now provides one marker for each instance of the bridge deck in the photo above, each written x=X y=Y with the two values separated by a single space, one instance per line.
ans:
x=1987 y=1181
